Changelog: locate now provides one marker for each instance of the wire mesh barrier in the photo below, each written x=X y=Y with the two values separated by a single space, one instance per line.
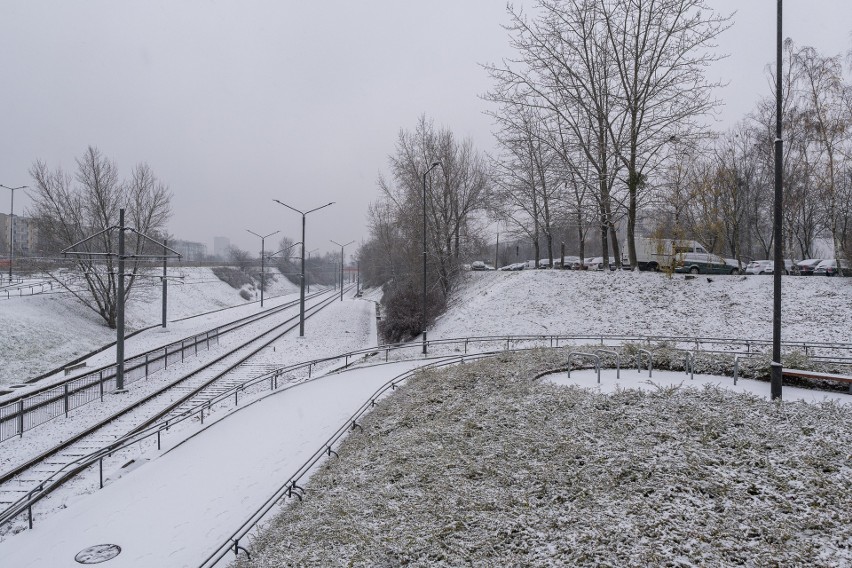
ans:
x=28 y=412
x=281 y=379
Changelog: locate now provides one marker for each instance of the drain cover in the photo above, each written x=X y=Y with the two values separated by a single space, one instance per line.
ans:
x=98 y=553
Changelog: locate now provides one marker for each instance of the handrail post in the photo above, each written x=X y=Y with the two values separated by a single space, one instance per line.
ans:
x=617 y=360
x=639 y=362
x=590 y=355
x=21 y=417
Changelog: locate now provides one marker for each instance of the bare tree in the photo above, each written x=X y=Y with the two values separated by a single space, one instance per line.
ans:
x=240 y=257
x=69 y=210
x=455 y=193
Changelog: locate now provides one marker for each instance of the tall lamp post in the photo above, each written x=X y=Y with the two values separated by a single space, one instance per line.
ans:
x=12 y=227
x=262 y=265
x=776 y=375
x=423 y=307
x=302 y=291
x=341 y=265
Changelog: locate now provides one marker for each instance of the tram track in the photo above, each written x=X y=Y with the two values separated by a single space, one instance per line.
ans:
x=43 y=398
x=204 y=382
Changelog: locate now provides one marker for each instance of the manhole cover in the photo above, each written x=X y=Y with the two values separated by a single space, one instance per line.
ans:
x=98 y=553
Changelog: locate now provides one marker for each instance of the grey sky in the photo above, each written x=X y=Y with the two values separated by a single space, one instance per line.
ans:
x=234 y=103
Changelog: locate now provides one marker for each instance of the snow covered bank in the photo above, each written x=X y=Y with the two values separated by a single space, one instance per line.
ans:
x=480 y=465
x=44 y=331
x=645 y=303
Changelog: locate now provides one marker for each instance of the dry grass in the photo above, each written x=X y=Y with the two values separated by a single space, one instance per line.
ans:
x=479 y=465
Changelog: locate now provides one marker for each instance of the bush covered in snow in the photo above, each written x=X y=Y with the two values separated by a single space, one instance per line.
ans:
x=232 y=277
x=480 y=465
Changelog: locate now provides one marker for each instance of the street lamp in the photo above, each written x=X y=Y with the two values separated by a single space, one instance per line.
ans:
x=423 y=314
x=302 y=287
x=776 y=376
x=262 y=266
x=12 y=227
x=341 y=265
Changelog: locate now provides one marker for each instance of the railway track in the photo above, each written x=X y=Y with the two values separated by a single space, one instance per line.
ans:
x=51 y=401
x=213 y=377
x=190 y=406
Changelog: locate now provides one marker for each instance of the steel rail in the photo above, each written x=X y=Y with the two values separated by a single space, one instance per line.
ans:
x=161 y=354
x=364 y=354
x=22 y=468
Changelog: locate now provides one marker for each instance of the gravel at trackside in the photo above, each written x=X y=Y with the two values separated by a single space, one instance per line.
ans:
x=478 y=465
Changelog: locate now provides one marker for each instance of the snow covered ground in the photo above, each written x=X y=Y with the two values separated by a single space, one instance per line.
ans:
x=478 y=465
x=646 y=303
x=482 y=459
x=45 y=331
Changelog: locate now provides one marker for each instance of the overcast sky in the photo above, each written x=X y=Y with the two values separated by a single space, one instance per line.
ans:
x=235 y=103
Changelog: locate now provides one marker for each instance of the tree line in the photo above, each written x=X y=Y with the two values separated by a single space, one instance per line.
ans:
x=603 y=129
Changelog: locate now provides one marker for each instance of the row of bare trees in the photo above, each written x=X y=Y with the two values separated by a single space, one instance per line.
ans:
x=453 y=204
x=721 y=191
x=585 y=112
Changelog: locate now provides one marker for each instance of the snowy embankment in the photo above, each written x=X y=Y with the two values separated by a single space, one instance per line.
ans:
x=543 y=302
x=45 y=331
x=484 y=465
x=481 y=465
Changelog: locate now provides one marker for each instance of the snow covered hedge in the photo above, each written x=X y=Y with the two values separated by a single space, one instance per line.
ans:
x=479 y=465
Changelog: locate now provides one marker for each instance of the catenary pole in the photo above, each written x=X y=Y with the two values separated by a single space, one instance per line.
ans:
x=777 y=370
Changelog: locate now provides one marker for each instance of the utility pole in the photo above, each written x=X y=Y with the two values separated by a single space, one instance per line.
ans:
x=12 y=228
x=341 y=265
x=119 y=309
x=262 y=265
x=302 y=287
x=165 y=282
x=776 y=376
x=119 y=343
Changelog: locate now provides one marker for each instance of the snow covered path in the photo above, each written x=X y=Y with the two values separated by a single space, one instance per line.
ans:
x=176 y=508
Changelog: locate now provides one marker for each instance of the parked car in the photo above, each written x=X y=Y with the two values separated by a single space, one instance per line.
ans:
x=759 y=267
x=702 y=263
x=477 y=265
x=597 y=263
x=806 y=267
x=828 y=267
x=735 y=265
x=568 y=261
x=768 y=267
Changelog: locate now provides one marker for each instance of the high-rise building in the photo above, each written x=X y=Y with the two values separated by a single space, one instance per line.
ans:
x=220 y=247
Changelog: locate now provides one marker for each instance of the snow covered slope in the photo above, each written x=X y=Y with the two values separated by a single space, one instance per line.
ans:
x=645 y=303
x=42 y=332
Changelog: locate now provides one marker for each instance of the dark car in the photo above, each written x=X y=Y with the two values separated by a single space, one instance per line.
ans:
x=829 y=268
x=806 y=267
x=702 y=263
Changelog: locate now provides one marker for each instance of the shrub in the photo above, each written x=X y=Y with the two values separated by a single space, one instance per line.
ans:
x=245 y=294
x=231 y=276
x=402 y=310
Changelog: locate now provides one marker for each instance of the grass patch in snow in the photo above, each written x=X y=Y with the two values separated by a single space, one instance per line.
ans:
x=479 y=465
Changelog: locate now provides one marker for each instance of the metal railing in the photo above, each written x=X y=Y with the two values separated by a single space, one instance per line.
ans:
x=344 y=360
x=25 y=413
x=28 y=412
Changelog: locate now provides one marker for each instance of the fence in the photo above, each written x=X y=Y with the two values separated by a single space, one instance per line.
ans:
x=28 y=412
